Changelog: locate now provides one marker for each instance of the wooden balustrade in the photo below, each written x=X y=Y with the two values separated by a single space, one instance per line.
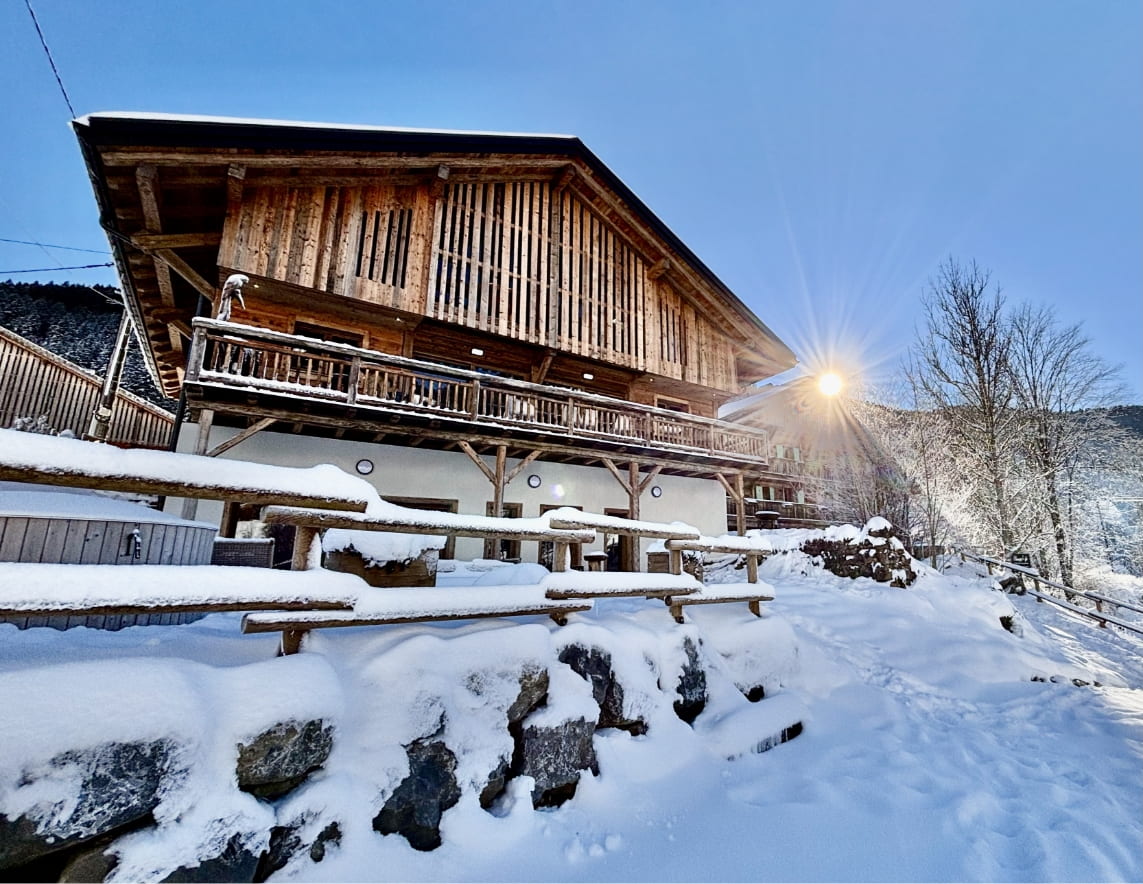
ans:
x=227 y=353
x=35 y=383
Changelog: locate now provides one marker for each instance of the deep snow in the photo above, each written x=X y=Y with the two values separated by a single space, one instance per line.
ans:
x=929 y=752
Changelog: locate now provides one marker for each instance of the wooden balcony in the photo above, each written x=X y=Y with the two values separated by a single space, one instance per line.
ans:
x=249 y=371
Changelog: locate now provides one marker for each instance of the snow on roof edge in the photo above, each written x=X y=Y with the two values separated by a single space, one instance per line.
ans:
x=148 y=116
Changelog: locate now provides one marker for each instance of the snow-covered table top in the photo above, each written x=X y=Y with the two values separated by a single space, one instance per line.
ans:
x=53 y=460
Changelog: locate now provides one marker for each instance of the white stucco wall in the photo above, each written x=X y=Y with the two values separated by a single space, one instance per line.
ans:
x=413 y=472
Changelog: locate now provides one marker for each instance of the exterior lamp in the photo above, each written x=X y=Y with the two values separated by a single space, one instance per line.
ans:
x=534 y=481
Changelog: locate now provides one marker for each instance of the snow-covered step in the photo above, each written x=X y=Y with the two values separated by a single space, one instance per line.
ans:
x=608 y=584
x=57 y=590
x=751 y=593
x=417 y=605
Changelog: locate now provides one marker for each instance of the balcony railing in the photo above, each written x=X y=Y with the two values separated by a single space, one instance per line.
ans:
x=244 y=356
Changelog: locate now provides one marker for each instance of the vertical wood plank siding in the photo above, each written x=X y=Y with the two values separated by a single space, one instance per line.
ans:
x=514 y=258
x=35 y=382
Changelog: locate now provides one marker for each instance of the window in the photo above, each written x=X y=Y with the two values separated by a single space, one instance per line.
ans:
x=679 y=405
x=332 y=335
x=504 y=549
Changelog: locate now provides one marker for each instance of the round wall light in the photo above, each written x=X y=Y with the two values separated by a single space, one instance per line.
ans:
x=656 y=491
x=365 y=466
x=534 y=481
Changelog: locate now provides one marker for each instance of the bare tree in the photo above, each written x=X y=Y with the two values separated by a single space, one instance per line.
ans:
x=1057 y=380
x=963 y=367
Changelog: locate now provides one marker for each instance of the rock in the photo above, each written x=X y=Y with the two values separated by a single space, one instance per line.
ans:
x=533 y=691
x=886 y=562
x=280 y=758
x=692 y=685
x=90 y=864
x=118 y=785
x=287 y=841
x=594 y=665
x=555 y=757
x=417 y=804
x=497 y=782
x=235 y=863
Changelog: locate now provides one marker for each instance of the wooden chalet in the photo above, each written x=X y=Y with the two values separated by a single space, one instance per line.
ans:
x=502 y=297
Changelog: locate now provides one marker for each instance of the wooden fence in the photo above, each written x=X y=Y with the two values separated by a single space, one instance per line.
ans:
x=35 y=383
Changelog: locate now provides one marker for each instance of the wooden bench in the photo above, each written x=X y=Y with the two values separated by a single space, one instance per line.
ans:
x=715 y=595
x=403 y=520
x=569 y=519
x=729 y=545
x=34 y=590
x=753 y=593
x=417 y=605
x=53 y=460
x=617 y=584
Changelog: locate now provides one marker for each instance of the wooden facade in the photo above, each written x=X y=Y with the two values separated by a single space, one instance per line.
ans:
x=426 y=288
x=36 y=383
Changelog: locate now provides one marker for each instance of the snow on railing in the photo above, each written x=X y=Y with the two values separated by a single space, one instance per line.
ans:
x=229 y=353
x=1070 y=594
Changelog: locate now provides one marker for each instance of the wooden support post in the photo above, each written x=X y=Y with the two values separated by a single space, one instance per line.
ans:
x=559 y=556
x=633 y=495
x=291 y=642
x=737 y=493
x=255 y=427
x=205 y=422
x=304 y=540
x=676 y=561
x=755 y=607
x=751 y=568
x=498 y=484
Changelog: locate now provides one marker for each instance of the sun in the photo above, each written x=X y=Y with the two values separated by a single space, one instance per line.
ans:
x=829 y=383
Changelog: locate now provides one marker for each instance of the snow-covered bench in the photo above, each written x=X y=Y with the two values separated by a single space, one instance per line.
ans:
x=404 y=520
x=618 y=584
x=745 y=546
x=53 y=460
x=753 y=592
x=417 y=605
x=33 y=590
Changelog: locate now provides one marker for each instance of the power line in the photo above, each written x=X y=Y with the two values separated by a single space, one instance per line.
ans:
x=45 y=245
x=48 y=53
x=53 y=269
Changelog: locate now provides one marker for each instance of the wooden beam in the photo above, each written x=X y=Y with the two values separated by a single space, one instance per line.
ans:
x=561 y=181
x=476 y=459
x=521 y=466
x=255 y=427
x=660 y=267
x=614 y=470
x=147 y=183
x=223 y=157
x=151 y=241
x=183 y=269
x=651 y=476
x=540 y=372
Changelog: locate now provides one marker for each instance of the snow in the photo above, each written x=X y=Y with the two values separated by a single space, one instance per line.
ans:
x=937 y=745
x=46 y=502
x=54 y=454
x=33 y=586
x=379 y=547
x=86 y=119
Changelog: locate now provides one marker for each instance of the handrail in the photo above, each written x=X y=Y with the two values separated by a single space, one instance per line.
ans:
x=229 y=352
x=1097 y=615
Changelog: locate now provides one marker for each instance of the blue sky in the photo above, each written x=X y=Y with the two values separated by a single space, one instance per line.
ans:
x=822 y=158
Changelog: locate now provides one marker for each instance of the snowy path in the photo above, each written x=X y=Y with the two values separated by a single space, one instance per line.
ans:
x=929 y=754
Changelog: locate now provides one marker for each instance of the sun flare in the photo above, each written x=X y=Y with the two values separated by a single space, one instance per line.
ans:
x=830 y=384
